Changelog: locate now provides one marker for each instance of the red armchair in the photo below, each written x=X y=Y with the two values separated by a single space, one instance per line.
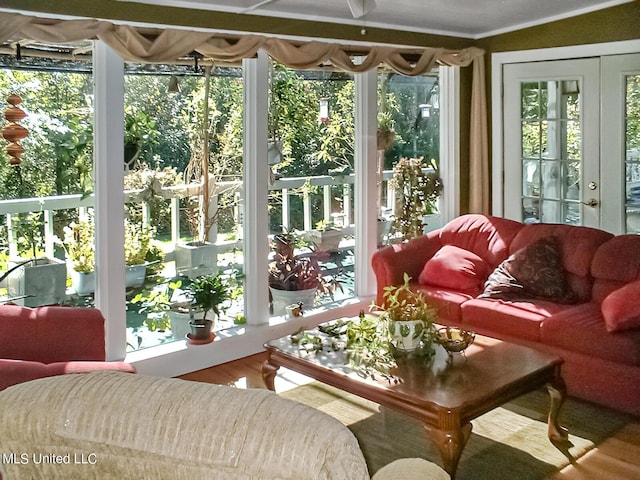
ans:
x=46 y=341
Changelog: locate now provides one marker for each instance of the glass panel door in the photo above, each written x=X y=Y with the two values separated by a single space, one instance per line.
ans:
x=551 y=144
x=620 y=133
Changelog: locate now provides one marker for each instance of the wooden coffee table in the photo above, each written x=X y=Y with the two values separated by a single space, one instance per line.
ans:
x=445 y=394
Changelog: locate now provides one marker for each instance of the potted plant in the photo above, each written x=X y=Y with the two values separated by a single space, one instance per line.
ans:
x=295 y=278
x=417 y=194
x=410 y=318
x=36 y=280
x=208 y=293
x=326 y=236
x=137 y=245
x=79 y=245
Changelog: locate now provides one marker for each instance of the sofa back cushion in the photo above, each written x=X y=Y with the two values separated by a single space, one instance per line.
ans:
x=486 y=236
x=578 y=246
x=615 y=263
x=51 y=334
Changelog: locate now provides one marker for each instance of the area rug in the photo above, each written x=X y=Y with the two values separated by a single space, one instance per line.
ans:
x=507 y=443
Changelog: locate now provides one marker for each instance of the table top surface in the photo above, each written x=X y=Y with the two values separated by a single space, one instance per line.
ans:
x=490 y=373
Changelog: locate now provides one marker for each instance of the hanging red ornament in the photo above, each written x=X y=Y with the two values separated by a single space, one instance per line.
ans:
x=13 y=132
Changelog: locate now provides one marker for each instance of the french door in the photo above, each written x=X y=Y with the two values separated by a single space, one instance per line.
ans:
x=571 y=142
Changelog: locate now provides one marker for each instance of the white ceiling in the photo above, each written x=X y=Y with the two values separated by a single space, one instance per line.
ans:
x=461 y=18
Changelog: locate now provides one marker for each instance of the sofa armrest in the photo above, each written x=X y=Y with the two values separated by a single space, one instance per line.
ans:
x=405 y=468
x=391 y=263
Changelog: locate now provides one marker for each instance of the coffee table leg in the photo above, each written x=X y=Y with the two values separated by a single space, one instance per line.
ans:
x=450 y=444
x=557 y=392
x=269 y=374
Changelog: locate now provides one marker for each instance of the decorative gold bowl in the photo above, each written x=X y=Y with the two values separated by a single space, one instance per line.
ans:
x=454 y=339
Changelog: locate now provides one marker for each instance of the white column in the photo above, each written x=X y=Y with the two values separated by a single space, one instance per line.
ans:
x=366 y=227
x=256 y=178
x=108 y=71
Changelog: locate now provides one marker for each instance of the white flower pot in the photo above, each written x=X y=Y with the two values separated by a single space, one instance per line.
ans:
x=134 y=275
x=196 y=258
x=281 y=298
x=83 y=283
x=44 y=280
x=406 y=335
x=325 y=241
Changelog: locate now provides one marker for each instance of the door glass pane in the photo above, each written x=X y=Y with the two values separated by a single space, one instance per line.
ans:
x=632 y=147
x=551 y=151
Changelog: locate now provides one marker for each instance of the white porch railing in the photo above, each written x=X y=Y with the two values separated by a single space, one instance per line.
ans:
x=287 y=187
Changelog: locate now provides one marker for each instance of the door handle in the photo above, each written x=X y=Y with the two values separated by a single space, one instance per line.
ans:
x=591 y=203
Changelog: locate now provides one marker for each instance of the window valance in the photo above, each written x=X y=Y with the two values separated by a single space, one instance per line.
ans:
x=166 y=45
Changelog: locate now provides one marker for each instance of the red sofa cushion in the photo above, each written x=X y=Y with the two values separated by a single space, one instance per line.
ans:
x=486 y=236
x=615 y=263
x=447 y=302
x=578 y=246
x=456 y=268
x=621 y=308
x=511 y=319
x=581 y=328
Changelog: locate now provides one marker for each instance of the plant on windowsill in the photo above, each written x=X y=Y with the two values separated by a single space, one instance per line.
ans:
x=417 y=195
x=410 y=318
x=208 y=294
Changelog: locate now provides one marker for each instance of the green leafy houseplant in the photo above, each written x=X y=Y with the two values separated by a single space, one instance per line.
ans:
x=417 y=195
x=208 y=293
x=401 y=306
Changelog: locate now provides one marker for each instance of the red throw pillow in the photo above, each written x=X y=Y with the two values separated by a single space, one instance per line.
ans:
x=456 y=268
x=621 y=308
x=533 y=272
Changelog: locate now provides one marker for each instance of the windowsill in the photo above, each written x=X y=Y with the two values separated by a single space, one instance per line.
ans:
x=179 y=357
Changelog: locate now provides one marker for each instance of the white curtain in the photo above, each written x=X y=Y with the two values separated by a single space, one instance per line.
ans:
x=167 y=45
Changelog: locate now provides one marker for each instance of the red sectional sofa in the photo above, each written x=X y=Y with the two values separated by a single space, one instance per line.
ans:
x=46 y=341
x=594 y=327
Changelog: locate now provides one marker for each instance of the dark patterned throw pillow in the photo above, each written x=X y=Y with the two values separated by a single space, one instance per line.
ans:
x=533 y=272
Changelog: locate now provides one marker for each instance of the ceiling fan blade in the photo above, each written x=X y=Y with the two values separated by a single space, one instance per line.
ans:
x=258 y=5
x=359 y=8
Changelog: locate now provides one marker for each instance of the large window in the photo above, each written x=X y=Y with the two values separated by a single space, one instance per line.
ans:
x=181 y=126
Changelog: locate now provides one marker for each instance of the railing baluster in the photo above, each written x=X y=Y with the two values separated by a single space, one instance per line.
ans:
x=285 y=209
x=11 y=236
x=326 y=190
x=48 y=234
x=175 y=220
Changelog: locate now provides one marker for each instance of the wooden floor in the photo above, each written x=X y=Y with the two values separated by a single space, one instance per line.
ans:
x=617 y=458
